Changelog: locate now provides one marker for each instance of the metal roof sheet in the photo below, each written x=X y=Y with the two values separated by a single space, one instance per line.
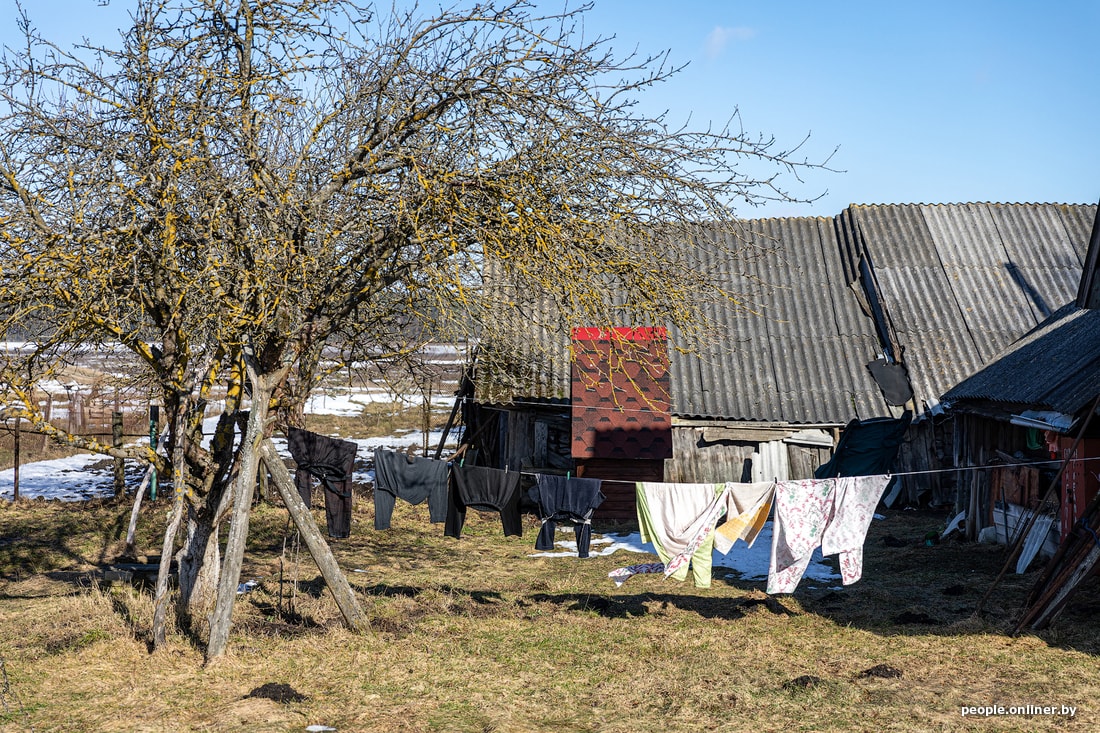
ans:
x=959 y=283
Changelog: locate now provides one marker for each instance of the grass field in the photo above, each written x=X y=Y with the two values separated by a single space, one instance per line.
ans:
x=475 y=635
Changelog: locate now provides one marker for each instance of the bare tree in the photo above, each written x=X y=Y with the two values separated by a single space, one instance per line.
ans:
x=240 y=185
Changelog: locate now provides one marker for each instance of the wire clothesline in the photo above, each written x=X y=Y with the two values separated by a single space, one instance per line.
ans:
x=551 y=402
x=995 y=465
x=934 y=470
x=955 y=469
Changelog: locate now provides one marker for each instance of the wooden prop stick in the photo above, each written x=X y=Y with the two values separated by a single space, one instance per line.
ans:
x=318 y=547
x=132 y=529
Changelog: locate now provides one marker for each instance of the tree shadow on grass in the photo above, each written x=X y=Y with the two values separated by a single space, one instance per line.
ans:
x=316 y=587
x=139 y=627
x=641 y=604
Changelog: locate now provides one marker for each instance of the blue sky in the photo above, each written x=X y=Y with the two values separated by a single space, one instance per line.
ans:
x=931 y=102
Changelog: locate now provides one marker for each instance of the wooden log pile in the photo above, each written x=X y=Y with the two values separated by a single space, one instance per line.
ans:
x=1077 y=557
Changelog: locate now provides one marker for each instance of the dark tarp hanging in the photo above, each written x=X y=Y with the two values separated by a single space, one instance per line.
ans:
x=893 y=380
x=866 y=447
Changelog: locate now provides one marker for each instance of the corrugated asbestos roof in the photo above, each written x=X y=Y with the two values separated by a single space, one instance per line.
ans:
x=1056 y=367
x=961 y=282
x=795 y=352
x=800 y=358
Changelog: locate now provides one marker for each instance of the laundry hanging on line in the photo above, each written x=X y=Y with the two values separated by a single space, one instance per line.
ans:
x=414 y=479
x=834 y=514
x=487 y=489
x=331 y=461
x=566 y=499
x=680 y=520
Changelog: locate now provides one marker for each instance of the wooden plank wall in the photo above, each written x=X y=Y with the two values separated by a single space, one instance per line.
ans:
x=539 y=440
x=804 y=459
x=977 y=440
x=696 y=461
x=925 y=455
x=699 y=460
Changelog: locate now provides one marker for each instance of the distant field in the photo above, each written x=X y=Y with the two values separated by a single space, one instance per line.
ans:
x=82 y=398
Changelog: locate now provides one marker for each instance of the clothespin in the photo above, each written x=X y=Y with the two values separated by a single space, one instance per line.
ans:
x=462 y=462
x=567 y=473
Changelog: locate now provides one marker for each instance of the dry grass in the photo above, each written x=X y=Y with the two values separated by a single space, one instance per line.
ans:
x=475 y=635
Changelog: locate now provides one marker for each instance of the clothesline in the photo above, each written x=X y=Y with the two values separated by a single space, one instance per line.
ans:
x=896 y=473
x=928 y=471
x=994 y=465
x=680 y=519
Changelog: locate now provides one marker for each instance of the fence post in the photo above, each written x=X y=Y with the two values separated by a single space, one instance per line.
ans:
x=47 y=414
x=120 y=467
x=15 y=450
x=154 y=419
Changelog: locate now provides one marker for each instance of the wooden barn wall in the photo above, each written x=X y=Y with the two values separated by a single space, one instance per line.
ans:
x=926 y=456
x=538 y=440
x=804 y=459
x=520 y=439
x=482 y=428
x=697 y=459
x=977 y=440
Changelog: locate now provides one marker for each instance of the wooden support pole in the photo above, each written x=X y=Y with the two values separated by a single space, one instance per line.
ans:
x=154 y=418
x=175 y=519
x=263 y=485
x=131 y=547
x=1018 y=545
x=243 y=489
x=15 y=450
x=322 y=554
x=447 y=427
x=47 y=413
x=1052 y=596
x=427 y=417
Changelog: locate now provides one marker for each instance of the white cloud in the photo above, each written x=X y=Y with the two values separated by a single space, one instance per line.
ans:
x=721 y=37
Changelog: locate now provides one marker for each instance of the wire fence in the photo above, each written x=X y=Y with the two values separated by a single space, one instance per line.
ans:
x=21 y=442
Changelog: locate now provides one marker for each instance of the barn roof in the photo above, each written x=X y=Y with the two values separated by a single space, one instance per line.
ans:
x=942 y=288
x=1055 y=367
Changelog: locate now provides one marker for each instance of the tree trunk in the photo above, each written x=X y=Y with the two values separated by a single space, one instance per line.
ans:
x=161 y=602
x=179 y=484
x=318 y=547
x=199 y=564
x=220 y=619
